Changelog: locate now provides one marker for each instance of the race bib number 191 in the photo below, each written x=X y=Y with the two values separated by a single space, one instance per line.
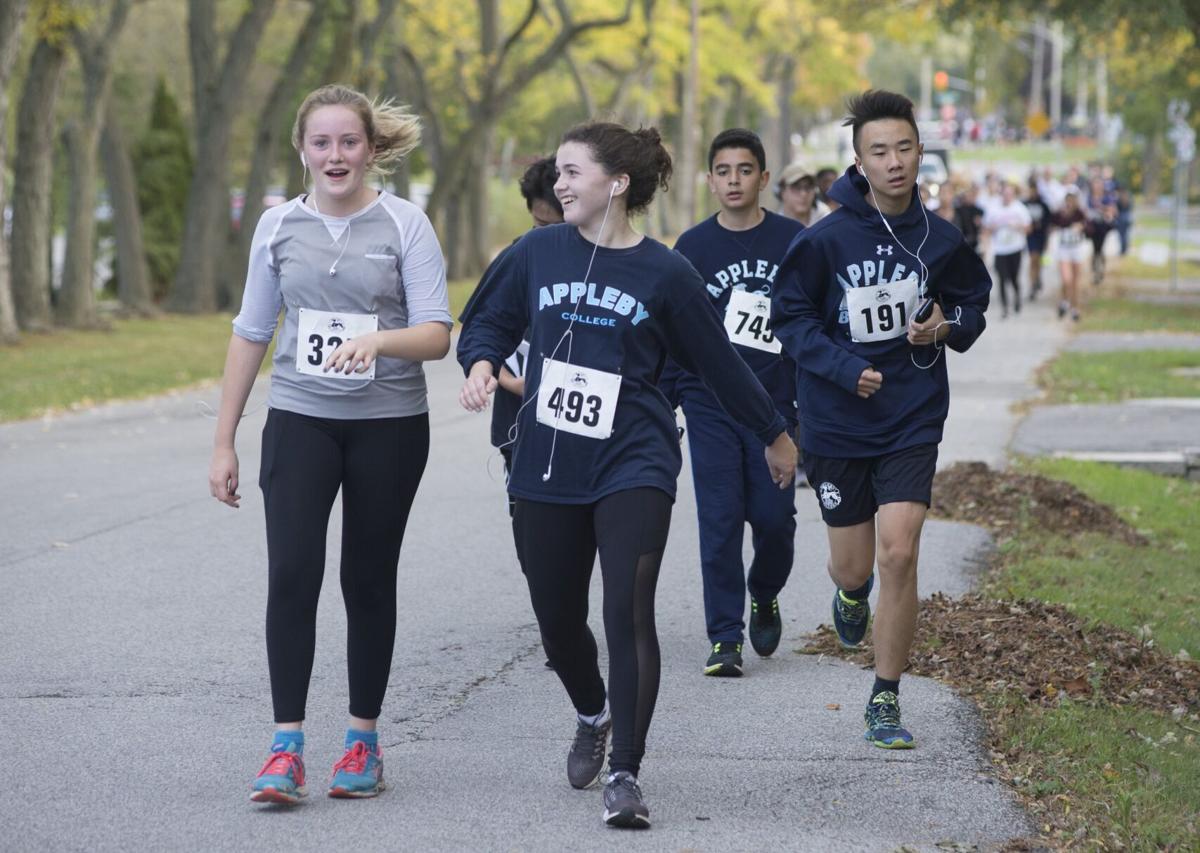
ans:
x=881 y=312
x=319 y=333
x=748 y=321
x=577 y=399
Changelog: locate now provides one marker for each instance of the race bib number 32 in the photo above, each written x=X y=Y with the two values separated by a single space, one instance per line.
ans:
x=577 y=399
x=882 y=312
x=319 y=333
x=748 y=321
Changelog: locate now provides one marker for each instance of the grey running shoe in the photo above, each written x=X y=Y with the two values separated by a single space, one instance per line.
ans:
x=623 y=804
x=585 y=761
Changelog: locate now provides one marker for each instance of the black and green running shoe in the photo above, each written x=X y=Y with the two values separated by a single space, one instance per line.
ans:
x=766 y=626
x=883 y=722
x=725 y=660
x=851 y=616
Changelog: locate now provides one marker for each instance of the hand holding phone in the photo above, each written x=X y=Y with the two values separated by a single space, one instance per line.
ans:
x=924 y=310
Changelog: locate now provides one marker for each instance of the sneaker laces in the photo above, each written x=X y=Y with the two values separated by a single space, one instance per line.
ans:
x=885 y=711
x=585 y=733
x=355 y=759
x=852 y=609
x=283 y=763
x=627 y=782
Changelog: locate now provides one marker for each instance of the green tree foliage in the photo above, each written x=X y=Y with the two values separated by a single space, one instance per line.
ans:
x=163 y=162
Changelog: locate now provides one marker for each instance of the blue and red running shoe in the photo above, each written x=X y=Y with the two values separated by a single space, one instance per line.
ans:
x=281 y=779
x=359 y=773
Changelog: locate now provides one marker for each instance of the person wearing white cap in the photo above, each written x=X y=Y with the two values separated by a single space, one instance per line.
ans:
x=796 y=190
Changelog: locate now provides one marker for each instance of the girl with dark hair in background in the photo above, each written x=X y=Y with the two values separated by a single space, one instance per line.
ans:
x=597 y=454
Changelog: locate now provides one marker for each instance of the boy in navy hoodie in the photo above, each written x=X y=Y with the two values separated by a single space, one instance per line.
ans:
x=737 y=251
x=873 y=391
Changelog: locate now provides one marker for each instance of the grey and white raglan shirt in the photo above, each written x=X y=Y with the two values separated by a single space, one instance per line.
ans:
x=382 y=264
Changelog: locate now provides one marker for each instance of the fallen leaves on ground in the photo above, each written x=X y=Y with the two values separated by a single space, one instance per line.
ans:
x=1002 y=501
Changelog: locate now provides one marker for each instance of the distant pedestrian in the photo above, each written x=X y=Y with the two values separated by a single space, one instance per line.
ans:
x=968 y=216
x=1008 y=223
x=1070 y=224
x=1039 y=230
x=359 y=278
x=796 y=190
x=1102 y=219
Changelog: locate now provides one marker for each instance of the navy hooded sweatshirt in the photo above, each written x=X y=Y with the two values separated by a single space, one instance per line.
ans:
x=852 y=248
x=739 y=260
x=640 y=305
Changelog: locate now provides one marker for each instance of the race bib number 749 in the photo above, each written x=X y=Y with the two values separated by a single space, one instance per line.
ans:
x=577 y=399
x=748 y=321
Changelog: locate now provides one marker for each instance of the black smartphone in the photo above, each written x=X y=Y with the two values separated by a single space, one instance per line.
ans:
x=924 y=310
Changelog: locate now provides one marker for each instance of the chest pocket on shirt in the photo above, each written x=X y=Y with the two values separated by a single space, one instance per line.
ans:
x=381 y=273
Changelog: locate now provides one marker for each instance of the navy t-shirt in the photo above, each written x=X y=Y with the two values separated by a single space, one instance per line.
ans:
x=640 y=305
x=739 y=260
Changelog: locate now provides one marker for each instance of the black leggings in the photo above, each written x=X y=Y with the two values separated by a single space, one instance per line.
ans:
x=378 y=464
x=557 y=544
x=1008 y=267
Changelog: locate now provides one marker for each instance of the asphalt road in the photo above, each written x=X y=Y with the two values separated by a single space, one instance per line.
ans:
x=135 y=710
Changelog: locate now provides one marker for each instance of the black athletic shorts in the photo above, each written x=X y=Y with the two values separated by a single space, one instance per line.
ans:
x=851 y=490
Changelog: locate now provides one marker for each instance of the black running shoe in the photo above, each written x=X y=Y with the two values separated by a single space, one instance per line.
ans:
x=725 y=660
x=851 y=617
x=766 y=626
x=585 y=761
x=623 y=804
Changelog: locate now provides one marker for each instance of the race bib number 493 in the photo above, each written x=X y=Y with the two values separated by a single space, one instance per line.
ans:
x=881 y=312
x=748 y=321
x=577 y=399
x=319 y=333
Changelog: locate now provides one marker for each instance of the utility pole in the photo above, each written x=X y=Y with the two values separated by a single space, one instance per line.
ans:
x=1056 y=70
x=925 y=112
x=1037 y=82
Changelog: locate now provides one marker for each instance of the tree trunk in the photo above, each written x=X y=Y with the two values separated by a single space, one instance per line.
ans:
x=11 y=17
x=77 y=305
x=31 y=187
x=271 y=126
x=133 y=279
x=690 y=125
x=77 y=296
x=217 y=95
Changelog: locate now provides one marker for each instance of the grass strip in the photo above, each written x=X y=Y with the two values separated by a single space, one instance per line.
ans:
x=1131 y=315
x=1109 y=377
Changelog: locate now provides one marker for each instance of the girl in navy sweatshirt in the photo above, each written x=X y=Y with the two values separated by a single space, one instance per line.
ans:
x=596 y=454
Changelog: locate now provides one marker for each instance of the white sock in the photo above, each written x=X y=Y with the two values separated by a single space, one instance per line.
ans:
x=597 y=720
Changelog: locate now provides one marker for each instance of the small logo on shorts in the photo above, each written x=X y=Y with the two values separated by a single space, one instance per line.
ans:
x=831 y=498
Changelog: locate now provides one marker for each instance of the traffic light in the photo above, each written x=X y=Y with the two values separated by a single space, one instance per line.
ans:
x=941 y=81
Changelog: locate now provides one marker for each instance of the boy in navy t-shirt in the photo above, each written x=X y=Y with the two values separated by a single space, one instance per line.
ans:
x=737 y=251
x=873 y=390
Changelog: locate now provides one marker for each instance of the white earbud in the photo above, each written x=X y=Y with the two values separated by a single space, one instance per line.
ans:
x=860 y=169
x=615 y=186
x=303 y=160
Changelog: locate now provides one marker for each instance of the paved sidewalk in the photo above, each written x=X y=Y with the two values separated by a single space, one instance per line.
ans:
x=1154 y=434
x=133 y=680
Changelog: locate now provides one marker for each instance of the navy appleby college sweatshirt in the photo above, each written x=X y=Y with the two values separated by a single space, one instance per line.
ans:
x=739 y=260
x=814 y=301
x=639 y=306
